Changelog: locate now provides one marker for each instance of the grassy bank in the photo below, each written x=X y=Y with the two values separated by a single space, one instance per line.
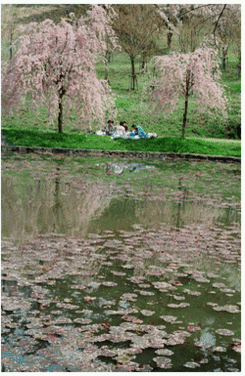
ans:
x=132 y=109
x=161 y=144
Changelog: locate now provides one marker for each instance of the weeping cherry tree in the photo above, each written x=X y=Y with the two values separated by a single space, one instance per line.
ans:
x=179 y=75
x=55 y=66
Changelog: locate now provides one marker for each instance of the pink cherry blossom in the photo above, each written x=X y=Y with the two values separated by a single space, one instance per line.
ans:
x=178 y=75
x=55 y=66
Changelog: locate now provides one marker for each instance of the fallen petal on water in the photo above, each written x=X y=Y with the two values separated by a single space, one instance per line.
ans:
x=224 y=332
x=109 y=284
x=181 y=305
x=146 y=312
x=219 y=349
x=163 y=362
x=191 y=365
x=165 y=352
x=169 y=318
x=191 y=328
x=202 y=344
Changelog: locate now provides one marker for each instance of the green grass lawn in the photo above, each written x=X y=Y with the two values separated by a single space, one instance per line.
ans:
x=23 y=126
x=160 y=144
x=131 y=108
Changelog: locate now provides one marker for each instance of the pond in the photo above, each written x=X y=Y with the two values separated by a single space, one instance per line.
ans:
x=114 y=266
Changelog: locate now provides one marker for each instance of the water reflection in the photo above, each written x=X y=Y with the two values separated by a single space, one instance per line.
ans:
x=47 y=202
x=32 y=207
x=105 y=274
x=47 y=207
x=57 y=208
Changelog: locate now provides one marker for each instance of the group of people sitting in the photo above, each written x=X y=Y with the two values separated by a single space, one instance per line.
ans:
x=122 y=131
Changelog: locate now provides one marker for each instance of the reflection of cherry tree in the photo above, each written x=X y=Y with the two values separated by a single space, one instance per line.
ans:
x=177 y=212
x=47 y=207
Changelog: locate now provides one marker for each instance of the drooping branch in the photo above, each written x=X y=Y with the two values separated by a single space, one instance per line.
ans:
x=179 y=74
x=55 y=64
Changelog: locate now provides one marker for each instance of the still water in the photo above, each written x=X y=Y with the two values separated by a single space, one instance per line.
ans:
x=120 y=266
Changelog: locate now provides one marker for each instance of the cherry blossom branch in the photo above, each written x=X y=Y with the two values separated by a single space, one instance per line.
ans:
x=217 y=22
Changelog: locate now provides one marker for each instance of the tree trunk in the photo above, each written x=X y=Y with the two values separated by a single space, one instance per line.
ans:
x=10 y=48
x=106 y=71
x=169 y=38
x=185 y=115
x=133 y=73
x=188 y=84
x=239 y=68
x=224 y=58
x=60 y=113
x=144 y=58
x=109 y=56
x=223 y=63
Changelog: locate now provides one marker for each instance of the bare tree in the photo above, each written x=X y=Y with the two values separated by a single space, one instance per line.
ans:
x=190 y=22
x=136 y=26
x=236 y=35
x=191 y=33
